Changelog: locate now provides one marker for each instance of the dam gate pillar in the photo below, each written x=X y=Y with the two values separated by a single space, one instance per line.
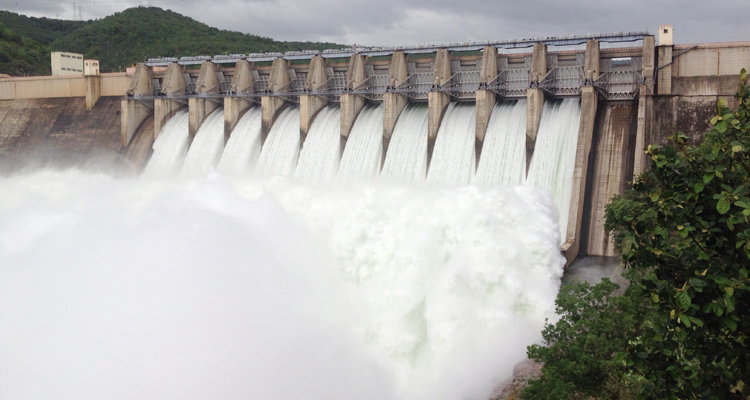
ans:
x=394 y=102
x=235 y=107
x=165 y=107
x=437 y=99
x=352 y=104
x=485 y=98
x=311 y=104
x=201 y=107
x=589 y=101
x=645 y=105
x=271 y=106
x=535 y=97
x=132 y=111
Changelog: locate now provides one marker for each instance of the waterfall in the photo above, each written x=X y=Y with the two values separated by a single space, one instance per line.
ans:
x=243 y=147
x=554 y=156
x=453 y=156
x=281 y=148
x=207 y=146
x=364 y=147
x=229 y=285
x=406 y=160
x=170 y=147
x=503 y=159
x=319 y=158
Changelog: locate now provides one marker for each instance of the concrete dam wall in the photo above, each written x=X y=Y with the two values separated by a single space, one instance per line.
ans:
x=61 y=133
x=629 y=98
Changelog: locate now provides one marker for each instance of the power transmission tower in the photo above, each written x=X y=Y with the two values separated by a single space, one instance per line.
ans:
x=78 y=11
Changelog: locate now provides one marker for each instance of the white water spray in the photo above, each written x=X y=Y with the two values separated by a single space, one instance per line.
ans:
x=244 y=289
x=551 y=167
x=170 y=147
x=278 y=157
x=503 y=159
x=319 y=159
x=453 y=157
x=243 y=147
x=406 y=160
x=207 y=146
x=364 y=147
x=235 y=287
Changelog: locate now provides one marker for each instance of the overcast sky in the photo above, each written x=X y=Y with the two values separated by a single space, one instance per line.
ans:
x=400 y=22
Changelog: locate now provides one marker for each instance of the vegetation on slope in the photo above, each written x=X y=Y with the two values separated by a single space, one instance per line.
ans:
x=20 y=55
x=684 y=232
x=43 y=30
x=131 y=36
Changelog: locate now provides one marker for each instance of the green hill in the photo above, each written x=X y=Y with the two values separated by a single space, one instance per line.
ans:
x=20 y=55
x=131 y=36
x=42 y=30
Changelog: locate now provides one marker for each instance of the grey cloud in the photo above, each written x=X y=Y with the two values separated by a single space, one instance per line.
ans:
x=393 y=22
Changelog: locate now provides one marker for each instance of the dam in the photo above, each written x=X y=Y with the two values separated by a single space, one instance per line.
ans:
x=625 y=96
x=357 y=223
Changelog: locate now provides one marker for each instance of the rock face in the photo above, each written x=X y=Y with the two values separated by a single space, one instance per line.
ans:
x=511 y=388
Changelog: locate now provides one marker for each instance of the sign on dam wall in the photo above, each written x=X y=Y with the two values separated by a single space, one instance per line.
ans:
x=629 y=97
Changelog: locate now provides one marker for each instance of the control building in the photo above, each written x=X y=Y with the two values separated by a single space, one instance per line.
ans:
x=66 y=63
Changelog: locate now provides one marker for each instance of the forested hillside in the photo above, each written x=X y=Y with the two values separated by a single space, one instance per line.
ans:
x=131 y=36
x=21 y=55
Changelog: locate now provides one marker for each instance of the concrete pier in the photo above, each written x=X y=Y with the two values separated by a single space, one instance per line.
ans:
x=352 y=104
x=93 y=91
x=535 y=97
x=271 y=106
x=235 y=107
x=645 y=105
x=133 y=113
x=165 y=108
x=437 y=101
x=394 y=103
x=200 y=108
x=310 y=105
x=486 y=99
x=589 y=100
x=664 y=73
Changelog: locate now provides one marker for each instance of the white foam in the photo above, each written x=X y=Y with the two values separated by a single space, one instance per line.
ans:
x=207 y=146
x=267 y=289
x=319 y=159
x=243 y=147
x=170 y=146
x=364 y=147
x=278 y=157
x=453 y=156
x=406 y=160
x=551 y=166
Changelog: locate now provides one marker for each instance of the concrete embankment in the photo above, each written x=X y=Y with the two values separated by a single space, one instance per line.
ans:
x=61 y=133
x=611 y=170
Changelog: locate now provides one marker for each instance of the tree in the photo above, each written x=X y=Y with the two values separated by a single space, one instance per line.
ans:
x=579 y=352
x=684 y=226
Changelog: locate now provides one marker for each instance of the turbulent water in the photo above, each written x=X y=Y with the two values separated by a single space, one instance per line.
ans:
x=453 y=157
x=207 y=147
x=235 y=285
x=319 y=158
x=406 y=160
x=551 y=167
x=279 y=153
x=243 y=147
x=364 y=147
x=170 y=147
x=266 y=288
x=503 y=160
